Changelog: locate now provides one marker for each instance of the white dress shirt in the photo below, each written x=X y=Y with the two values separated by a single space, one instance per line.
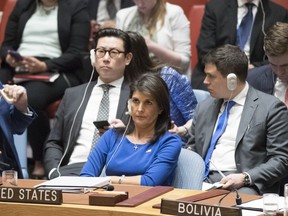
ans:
x=223 y=155
x=84 y=141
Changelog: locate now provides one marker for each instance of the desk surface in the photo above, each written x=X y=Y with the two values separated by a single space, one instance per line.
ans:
x=11 y=209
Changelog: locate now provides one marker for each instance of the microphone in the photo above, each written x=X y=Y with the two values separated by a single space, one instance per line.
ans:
x=105 y=187
x=4 y=166
x=238 y=198
x=108 y=187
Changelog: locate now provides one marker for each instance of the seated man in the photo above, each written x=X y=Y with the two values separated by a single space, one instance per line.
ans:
x=273 y=78
x=229 y=22
x=250 y=146
x=14 y=119
x=72 y=137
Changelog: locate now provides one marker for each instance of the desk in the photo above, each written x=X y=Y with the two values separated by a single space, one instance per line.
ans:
x=145 y=209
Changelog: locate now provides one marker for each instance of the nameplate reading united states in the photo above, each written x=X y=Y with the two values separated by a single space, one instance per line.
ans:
x=30 y=195
x=175 y=207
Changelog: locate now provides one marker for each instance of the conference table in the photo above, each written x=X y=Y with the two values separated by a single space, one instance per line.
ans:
x=78 y=204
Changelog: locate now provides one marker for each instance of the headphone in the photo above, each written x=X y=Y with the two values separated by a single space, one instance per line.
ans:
x=231 y=81
x=92 y=57
x=129 y=107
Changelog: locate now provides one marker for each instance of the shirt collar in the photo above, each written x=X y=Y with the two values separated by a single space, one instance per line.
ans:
x=241 y=3
x=241 y=97
x=116 y=83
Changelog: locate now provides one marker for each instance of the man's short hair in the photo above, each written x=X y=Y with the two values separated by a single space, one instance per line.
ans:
x=276 y=39
x=228 y=59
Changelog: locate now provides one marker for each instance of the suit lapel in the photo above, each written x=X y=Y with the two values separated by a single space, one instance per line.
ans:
x=247 y=113
x=212 y=117
x=124 y=96
x=232 y=20
x=80 y=115
x=257 y=26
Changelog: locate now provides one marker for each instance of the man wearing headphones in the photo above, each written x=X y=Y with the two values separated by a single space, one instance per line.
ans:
x=241 y=132
x=72 y=136
x=221 y=25
x=273 y=78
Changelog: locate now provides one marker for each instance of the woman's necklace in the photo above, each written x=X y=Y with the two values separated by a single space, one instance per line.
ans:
x=135 y=147
x=48 y=9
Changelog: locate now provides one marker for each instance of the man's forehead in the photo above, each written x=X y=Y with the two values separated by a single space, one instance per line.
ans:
x=112 y=42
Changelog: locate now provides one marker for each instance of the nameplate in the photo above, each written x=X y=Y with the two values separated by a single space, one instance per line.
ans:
x=30 y=195
x=175 y=207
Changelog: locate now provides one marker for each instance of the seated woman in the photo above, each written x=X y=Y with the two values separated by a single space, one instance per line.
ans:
x=49 y=36
x=166 y=30
x=143 y=153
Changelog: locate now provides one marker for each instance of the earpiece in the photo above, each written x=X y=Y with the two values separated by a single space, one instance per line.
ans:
x=231 y=81
x=129 y=107
x=92 y=57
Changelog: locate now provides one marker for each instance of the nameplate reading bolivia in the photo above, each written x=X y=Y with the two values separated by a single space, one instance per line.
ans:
x=175 y=207
x=30 y=195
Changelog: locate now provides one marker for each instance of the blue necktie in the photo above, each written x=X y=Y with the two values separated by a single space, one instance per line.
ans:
x=221 y=126
x=245 y=27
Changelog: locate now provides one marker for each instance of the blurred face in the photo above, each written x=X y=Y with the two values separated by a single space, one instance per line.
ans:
x=279 y=65
x=145 y=110
x=108 y=68
x=145 y=6
x=215 y=82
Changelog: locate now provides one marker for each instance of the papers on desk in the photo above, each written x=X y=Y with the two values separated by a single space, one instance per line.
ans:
x=257 y=205
x=74 y=184
x=207 y=186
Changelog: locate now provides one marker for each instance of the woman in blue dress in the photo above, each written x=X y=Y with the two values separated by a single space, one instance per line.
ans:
x=144 y=152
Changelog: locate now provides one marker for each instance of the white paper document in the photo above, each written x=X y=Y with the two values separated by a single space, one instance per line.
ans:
x=257 y=205
x=74 y=183
x=207 y=186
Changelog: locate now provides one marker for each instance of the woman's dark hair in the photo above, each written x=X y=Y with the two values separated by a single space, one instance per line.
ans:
x=141 y=62
x=154 y=86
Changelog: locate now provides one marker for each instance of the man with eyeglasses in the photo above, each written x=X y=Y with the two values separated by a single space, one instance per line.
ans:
x=73 y=134
x=273 y=78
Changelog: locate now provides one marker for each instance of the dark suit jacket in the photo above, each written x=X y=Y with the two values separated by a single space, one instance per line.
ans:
x=12 y=122
x=261 y=141
x=262 y=78
x=73 y=31
x=93 y=7
x=219 y=27
x=58 y=139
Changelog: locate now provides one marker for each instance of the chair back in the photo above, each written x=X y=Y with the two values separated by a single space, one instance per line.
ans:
x=195 y=18
x=190 y=171
x=21 y=147
x=283 y=3
x=201 y=94
x=187 y=4
x=7 y=9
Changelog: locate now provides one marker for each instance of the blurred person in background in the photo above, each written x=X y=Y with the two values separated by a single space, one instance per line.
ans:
x=166 y=30
x=50 y=36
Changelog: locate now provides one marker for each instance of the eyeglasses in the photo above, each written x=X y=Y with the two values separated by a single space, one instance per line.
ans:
x=113 y=53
